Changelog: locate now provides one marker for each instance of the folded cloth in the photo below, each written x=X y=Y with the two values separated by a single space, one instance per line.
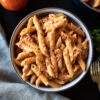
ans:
x=11 y=87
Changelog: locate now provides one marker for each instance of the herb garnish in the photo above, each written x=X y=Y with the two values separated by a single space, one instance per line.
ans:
x=96 y=41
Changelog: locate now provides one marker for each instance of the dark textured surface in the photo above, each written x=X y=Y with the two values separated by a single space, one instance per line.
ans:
x=84 y=90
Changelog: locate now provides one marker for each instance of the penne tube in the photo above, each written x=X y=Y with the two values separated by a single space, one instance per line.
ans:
x=41 y=39
x=38 y=81
x=68 y=62
x=43 y=79
x=69 y=46
x=59 y=81
x=17 y=62
x=30 y=22
x=77 y=30
x=35 y=69
x=85 y=43
x=30 y=72
x=33 y=79
x=23 y=46
x=82 y=64
x=28 y=61
x=24 y=77
x=54 y=63
x=54 y=84
x=59 y=56
x=58 y=43
x=26 y=69
x=49 y=67
x=52 y=39
x=24 y=55
x=27 y=30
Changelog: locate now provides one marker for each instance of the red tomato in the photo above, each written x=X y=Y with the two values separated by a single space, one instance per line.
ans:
x=13 y=5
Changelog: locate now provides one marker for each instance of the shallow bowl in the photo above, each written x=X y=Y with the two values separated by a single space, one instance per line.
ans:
x=85 y=7
x=74 y=19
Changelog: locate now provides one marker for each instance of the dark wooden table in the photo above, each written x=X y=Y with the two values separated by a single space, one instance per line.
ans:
x=85 y=89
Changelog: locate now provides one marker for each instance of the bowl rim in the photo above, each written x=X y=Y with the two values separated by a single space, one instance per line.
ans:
x=77 y=20
x=91 y=8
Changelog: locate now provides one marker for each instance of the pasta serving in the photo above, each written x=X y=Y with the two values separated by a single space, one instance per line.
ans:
x=51 y=51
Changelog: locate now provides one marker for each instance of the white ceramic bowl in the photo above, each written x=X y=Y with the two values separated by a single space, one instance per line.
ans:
x=71 y=17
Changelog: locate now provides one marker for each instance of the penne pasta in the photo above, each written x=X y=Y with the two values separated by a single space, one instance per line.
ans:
x=54 y=84
x=58 y=43
x=28 y=61
x=52 y=39
x=68 y=62
x=30 y=22
x=50 y=51
x=49 y=68
x=38 y=81
x=40 y=37
x=33 y=79
x=27 y=30
x=82 y=63
x=24 y=55
x=44 y=79
x=77 y=30
x=54 y=63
